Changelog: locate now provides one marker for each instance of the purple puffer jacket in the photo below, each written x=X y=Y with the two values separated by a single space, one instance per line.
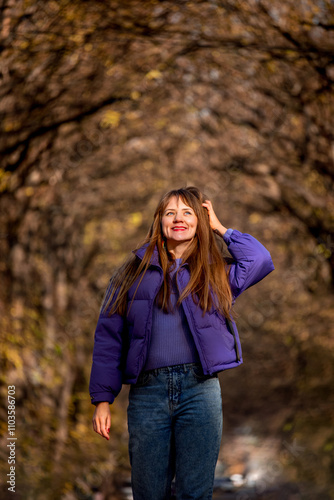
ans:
x=121 y=344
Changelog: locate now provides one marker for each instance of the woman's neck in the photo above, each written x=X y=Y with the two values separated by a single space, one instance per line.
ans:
x=177 y=249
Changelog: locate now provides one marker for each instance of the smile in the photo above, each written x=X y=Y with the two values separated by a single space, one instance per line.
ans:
x=179 y=228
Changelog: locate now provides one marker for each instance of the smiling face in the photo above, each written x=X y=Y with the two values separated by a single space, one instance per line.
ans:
x=179 y=223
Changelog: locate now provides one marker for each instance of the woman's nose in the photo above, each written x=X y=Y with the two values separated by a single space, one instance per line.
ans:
x=177 y=217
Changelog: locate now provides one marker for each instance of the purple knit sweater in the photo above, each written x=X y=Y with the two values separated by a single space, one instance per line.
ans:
x=171 y=340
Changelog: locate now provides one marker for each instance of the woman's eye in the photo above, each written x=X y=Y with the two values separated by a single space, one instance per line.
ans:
x=186 y=212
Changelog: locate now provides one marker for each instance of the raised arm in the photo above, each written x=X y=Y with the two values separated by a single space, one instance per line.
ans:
x=252 y=261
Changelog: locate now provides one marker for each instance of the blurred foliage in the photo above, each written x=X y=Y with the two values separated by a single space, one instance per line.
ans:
x=104 y=107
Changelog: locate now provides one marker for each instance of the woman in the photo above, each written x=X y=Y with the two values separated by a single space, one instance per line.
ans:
x=165 y=327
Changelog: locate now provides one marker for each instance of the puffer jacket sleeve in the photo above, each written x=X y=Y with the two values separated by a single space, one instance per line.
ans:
x=251 y=261
x=106 y=372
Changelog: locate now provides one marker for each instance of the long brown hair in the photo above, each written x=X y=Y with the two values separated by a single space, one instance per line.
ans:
x=208 y=284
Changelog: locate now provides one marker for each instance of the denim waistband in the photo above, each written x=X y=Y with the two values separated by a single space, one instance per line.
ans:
x=174 y=368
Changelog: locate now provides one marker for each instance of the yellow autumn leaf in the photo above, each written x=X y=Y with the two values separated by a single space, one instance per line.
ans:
x=192 y=146
x=77 y=37
x=135 y=95
x=272 y=67
x=111 y=119
x=295 y=120
x=4 y=179
x=323 y=250
x=159 y=124
x=254 y=218
x=135 y=219
x=13 y=357
x=11 y=125
x=154 y=74
x=70 y=14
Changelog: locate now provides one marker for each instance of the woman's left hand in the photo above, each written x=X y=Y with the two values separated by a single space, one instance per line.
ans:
x=214 y=221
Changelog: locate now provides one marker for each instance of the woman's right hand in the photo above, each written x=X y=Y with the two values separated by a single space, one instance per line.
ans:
x=215 y=224
x=102 y=419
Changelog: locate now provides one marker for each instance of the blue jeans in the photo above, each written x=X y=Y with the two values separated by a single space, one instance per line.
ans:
x=175 y=426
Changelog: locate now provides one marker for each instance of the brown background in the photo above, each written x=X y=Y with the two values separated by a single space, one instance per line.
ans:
x=104 y=107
